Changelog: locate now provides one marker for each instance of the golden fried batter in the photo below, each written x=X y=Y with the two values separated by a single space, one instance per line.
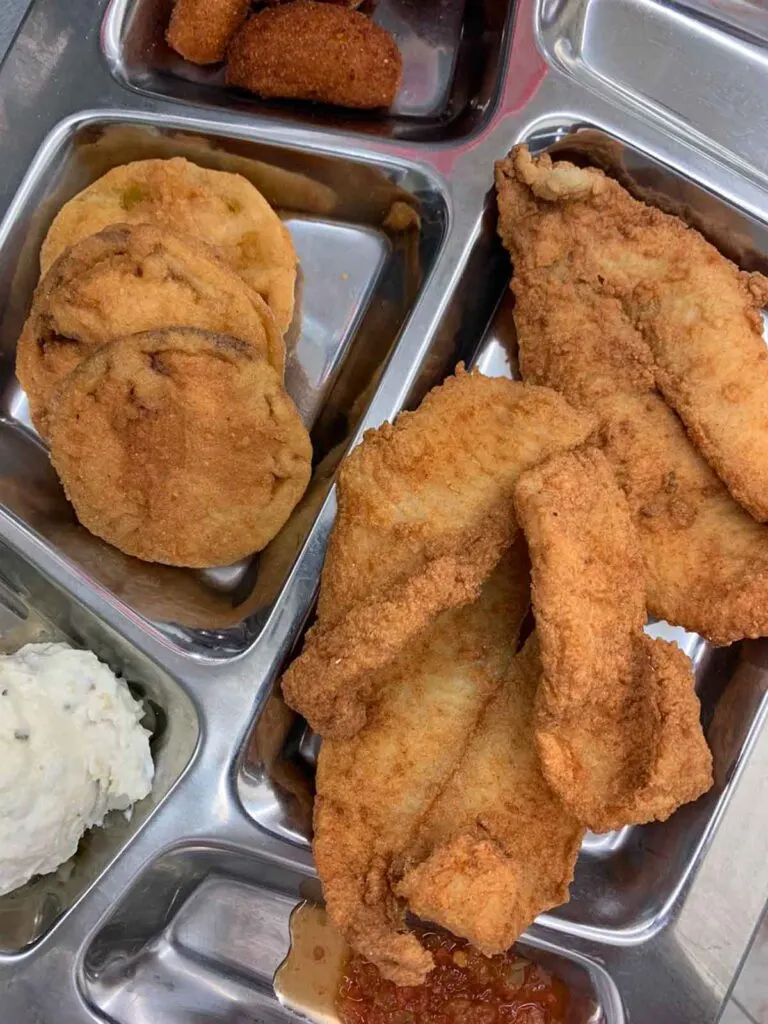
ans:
x=201 y=29
x=316 y=51
x=179 y=446
x=223 y=209
x=497 y=847
x=375 y=788
x=617 y=718
x=706 y=559
x=424 y=514
x=129 y=279
x=696 y=312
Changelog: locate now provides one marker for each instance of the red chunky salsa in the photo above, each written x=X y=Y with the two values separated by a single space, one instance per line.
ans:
x=464 y=988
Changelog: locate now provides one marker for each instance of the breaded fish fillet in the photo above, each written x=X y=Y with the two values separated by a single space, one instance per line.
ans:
x=696 y=312
x=200 y=30
x=126 y=279
x=316 y=51
x=706 y=559
x=374 y=789
x=497 y=848
x=424 y=514
x=617 y=718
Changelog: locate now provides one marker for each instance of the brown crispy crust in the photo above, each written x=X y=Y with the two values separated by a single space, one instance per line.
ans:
x=617 y=719
x=345 y=656
x=200 y=30
x=126 y=279
x=706 y=558
x=316 y=51
x=425 y=513
x=497 y=847
x=179 y=446
x=223 y=209
x=680 y=297
x=375 y=788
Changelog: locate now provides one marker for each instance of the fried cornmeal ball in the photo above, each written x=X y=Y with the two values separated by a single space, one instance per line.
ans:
x=200 y=29
x=316 y=51
x=179 y=446
x=128 y=279
x=220 y=208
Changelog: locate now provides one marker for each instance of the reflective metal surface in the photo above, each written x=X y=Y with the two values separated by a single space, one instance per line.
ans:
x=339 y=213
x=452 y=55
x=184 y=916
x=699 y=62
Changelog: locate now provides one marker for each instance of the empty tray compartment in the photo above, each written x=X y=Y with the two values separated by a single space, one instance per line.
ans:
x=34 y=610
x=625 y=881
x=698 y=66
x=367 y=233
x=453 y=58
x=198 y=936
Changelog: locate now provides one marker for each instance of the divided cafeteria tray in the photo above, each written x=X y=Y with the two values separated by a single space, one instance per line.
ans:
x=182 y=914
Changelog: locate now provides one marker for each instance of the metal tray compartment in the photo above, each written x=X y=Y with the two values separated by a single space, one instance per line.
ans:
x=626 y=882
x=205 y=928
x=743 y=17
x=33 y=609
x=375 y=226
x=452 y=61
x=700 y=62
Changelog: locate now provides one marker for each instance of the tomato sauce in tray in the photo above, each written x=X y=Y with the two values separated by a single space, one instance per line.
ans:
x=464 y=988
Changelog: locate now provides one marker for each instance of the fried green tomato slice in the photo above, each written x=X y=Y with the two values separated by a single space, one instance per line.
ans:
x=179 y=446
x=124 y=280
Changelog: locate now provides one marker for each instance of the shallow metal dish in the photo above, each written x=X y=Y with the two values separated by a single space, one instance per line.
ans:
x=700 y=62
x=626 y=882
x=35 y=610
x=453 y=56
x=346 y=321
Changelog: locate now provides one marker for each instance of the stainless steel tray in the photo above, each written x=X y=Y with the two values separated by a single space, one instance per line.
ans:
x=182 y=914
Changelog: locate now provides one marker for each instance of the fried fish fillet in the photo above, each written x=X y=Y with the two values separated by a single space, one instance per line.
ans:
x=200 y=30
x=374 y=788
x=124 y=280
x=617 y=719
x=706 y=559
x=497 y=847
x=316 y=51
x=179 y=446
x=696 y=312
x=220 y=208
x=424 y=514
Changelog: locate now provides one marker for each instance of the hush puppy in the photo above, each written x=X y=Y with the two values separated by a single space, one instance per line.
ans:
x=199 y=30
x=316 y=51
